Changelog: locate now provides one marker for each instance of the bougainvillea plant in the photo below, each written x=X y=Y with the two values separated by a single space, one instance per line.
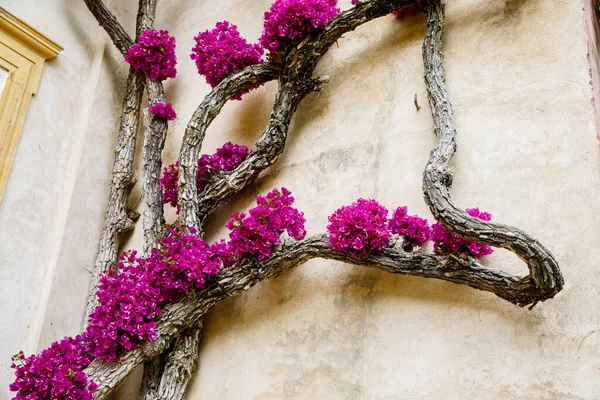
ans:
x=131 y=298
x=225 y=158
x=56 y=373
x=446 y=242
x=154 y=53
x=163 y=110
x=221 y=51
x=259 y=232
x=359 y=227
x=414 y=229
x=289 y=21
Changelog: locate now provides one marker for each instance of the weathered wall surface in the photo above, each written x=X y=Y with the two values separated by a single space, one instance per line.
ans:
x=528 y=152
x=59 y=181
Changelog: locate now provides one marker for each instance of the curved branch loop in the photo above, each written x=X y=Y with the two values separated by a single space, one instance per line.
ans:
x=545 y=279
x=295 y=82
x=186 y=313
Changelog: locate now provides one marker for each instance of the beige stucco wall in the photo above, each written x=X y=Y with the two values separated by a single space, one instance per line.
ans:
x=528 y=152
x=59 y=180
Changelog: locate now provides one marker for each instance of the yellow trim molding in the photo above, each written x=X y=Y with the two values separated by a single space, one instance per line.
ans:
x=23 y=51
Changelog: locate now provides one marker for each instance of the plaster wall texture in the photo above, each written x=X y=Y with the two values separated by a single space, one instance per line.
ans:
x=527 y=152
x=59 y=180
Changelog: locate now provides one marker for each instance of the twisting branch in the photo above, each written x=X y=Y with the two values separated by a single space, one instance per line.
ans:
x=109 y=22
x=154 y=142
x=145 y=16
x=179 y=364
x=118 y=219
x=295 y=79
x=153 y=370
x=163 y=377
x=184 y=314
x=268 y=148
x=195 y=131
x=173 y=383
x=545 y=279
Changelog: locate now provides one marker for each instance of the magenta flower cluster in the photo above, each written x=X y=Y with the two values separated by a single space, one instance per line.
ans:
x=162 y=110
x=169 y=182
x=289 y=21
x=445 y=241
x=359 y=228
x=56 y=373
x=131 y=297
x=222 y=51
x=226 y=158
x=154 y=53
x=414 y=229
x=130 y=300
x=229 y=156
x=363 y=227
x=127 y=310
x=257 y=233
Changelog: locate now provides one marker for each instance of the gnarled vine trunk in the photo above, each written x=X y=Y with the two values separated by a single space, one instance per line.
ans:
x=170 y=359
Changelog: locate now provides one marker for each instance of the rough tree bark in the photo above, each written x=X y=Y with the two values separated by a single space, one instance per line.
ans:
x=154 y=142
x=118 y=219
x=545 y=277
x=184 y=314
x=177 y=328
x=109 y=22
x=195 y=131
x=156 y=372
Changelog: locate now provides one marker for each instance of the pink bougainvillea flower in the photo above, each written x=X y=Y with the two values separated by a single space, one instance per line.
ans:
x=163 y=110
x=55 y=373
x=226 y=158
x=445 y=241
x=154 y=53
x=414 y=229
x=221 y=51
x=259 y=232
x=359 y=228
x=289 y=21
